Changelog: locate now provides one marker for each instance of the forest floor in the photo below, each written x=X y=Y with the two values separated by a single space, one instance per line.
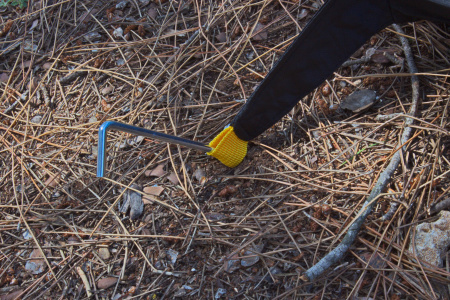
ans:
x=206 y=231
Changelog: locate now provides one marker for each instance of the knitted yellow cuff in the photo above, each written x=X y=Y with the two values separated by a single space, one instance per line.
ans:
x=228 y=148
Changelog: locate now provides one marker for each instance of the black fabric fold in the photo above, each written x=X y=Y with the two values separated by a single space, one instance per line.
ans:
x=336 y=31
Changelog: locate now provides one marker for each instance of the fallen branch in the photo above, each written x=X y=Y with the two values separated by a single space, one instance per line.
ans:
x=335 y=255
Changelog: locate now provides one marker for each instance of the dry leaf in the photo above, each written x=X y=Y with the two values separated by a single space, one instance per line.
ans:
x=13 y=295
x=52 y=181
x=323 y=106
x=106 y=282
x=157 y=172
x=25 y=64
x=33 y=85
x=173 y=178
x=4 y=77
x=359 y=101
x=105 y=105
x=262 y=35
x=149 y=199
x=222 y=37
x=228 y=190
x=153 y=190
x=232 y=264
x=36 y=264
x=86 y=17
x=213 y=216
x=253 y=257
x=152 y=13
x=6 y=28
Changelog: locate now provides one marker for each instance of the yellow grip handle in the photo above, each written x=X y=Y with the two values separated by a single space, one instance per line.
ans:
x=228 y=148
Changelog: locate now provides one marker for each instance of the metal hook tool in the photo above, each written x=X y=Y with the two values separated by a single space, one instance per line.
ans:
x=109 y=125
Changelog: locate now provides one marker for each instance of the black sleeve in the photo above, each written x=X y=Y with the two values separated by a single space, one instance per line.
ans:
x=336 y=31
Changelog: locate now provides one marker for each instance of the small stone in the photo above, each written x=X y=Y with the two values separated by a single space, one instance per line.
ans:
x=173 y=255
x=25 y=64
x=118 y=32
x=26 y=235
x=107 y=90
x=46 y=66
x=200 y=175
x=180 y=293
x=432 y=240
x=36 y=119
x=273 y=271
x=92 y=36
x=214 y=217
x=220 y=292
x=104 y=253
x=121 y=5
x=303 y=13
x=106 y=282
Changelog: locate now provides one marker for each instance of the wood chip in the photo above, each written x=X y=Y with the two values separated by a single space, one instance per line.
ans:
x=132 y=201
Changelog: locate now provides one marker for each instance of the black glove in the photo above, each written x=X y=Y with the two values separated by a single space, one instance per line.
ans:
x=337 y=30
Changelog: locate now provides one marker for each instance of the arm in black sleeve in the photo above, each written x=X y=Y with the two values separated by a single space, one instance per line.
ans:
x=337 y=30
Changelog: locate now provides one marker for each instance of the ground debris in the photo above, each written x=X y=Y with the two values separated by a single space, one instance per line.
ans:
x=132 y=202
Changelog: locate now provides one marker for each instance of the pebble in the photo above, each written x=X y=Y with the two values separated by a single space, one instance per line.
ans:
x=432 y=240
x=106 y=282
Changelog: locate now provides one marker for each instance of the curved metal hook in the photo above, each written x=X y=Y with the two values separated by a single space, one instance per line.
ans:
x=110 y=125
